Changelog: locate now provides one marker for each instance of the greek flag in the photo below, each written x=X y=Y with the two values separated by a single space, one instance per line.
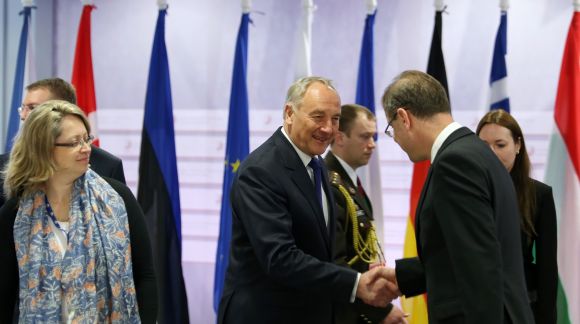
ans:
x=498 y=78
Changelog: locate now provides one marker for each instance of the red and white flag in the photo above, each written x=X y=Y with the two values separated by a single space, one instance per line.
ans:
x=82 y=76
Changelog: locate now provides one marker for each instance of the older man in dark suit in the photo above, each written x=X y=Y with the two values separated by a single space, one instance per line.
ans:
x=280 y=267
x=101 y=161
x=467 y=225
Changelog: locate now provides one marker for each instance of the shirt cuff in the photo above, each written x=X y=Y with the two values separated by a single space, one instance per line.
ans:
x=353 y=294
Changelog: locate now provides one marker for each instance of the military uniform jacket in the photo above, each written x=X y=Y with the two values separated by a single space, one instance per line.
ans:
x=344 y=249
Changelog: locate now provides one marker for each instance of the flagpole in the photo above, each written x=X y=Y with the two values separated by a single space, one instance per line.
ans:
x=246 y=6
x=504 y=5
x=162 y=4
x=371 y=6
x=303 y=66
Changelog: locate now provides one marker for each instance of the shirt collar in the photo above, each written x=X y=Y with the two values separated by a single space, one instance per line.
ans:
x=306 y=158
x=349 y=170
x=440 y=139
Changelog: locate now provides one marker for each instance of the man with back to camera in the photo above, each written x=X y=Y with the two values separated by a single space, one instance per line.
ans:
x=280 y=267
x=352 y=148
x=467 y=225
x=101 y=161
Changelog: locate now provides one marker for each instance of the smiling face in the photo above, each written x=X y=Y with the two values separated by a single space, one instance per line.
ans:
x=502 y=143
x=312 y=125
x=72 y=161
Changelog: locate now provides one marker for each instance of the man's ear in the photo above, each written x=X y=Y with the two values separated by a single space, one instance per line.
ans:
x=288 y=114
x=406 y=118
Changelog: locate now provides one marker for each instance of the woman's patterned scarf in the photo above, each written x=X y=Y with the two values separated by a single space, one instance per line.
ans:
x=94 y=279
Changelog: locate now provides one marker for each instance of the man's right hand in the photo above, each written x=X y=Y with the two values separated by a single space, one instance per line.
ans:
x=374 y=289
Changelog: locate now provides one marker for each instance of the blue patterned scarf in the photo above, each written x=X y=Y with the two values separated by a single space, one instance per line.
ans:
x=94 y=279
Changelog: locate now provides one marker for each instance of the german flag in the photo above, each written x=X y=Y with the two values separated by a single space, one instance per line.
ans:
x=417 y=306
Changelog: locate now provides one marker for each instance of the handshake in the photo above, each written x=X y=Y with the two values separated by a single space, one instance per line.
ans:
x=378 y=286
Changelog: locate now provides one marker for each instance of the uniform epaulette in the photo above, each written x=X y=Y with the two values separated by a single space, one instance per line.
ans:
x=335 y=178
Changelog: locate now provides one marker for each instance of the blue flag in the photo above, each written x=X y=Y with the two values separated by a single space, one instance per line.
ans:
x=498 y=78
x=237 y=149
x=365 y=85
x=365 y=96
x=14 y=118
x=158 y=190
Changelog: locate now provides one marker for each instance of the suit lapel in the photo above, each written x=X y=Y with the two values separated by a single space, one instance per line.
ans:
x=300 y=177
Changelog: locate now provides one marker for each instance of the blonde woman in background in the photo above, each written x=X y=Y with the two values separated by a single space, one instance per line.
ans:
x=74 y=246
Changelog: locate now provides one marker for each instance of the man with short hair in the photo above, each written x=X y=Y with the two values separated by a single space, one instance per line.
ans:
x=101 y=161
x=359 y=249
x=467 y=225
x=283 y=223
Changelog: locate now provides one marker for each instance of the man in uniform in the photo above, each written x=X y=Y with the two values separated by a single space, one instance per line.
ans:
x=356 y=243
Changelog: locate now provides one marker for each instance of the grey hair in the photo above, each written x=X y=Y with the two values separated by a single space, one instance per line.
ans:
x=297 y=90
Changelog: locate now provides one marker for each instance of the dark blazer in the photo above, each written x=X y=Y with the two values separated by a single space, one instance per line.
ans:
x=542 y=275
x=280 y=266
x=141 y=257
x=3 y=161
x=344 y=248
x=106 y=164
x=102 y=162
x=468 y=239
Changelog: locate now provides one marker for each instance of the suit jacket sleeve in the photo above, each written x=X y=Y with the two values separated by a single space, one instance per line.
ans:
x=410 y=276
x=141 y=255
x=3 y=162
x=546 y=254
x=118 y=173
x=9 y=269
x=260 y=203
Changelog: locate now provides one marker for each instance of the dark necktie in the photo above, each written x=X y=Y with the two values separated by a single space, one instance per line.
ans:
x=360 y=188
x=317 y=170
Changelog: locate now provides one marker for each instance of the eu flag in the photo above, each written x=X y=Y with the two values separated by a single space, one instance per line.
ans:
x=237 y=149
x=158 y=191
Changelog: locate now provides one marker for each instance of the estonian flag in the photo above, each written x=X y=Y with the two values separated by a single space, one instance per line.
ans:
x=158 y=191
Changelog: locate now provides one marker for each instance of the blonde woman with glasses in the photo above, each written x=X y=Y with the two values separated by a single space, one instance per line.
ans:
x=74 y=246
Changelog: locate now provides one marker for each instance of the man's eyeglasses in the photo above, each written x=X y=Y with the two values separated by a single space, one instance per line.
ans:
x=26 y=108
x=390 y=132
x=78 y=144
